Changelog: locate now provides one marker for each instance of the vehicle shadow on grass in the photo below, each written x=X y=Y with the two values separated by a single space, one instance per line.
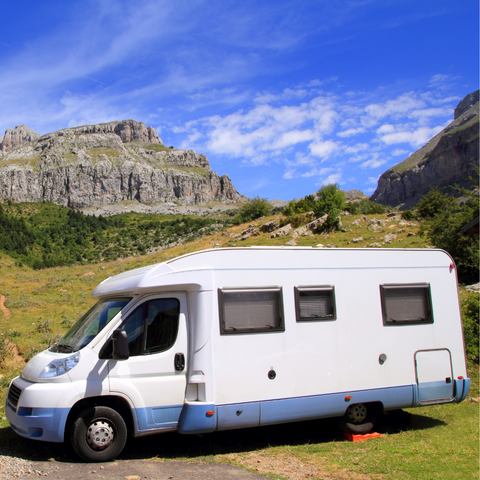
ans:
x=173 y=446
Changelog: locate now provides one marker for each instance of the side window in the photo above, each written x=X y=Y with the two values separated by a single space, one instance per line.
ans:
x=406 y=304
x=162 y=324
x=153 y=326
x=315 y=303
x=250 y=310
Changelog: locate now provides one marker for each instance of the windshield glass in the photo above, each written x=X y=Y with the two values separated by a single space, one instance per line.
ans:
x=88 y=327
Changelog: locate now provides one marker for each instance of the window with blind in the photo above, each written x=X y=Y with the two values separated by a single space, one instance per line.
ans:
x=315 y=303
x=250 y=310
x=406 y=304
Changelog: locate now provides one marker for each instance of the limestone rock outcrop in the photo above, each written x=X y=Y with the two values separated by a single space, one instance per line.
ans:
x=17 y=137
x=451 y=157
x=99 y=165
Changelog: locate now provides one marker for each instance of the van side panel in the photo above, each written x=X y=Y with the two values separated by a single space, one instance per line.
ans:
x=313 y=360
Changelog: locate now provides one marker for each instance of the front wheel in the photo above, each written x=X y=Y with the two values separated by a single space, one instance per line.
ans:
x=98 y=434
x=359 y=418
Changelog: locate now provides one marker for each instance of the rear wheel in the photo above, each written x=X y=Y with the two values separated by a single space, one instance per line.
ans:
x=99 y=434
x=359 y=418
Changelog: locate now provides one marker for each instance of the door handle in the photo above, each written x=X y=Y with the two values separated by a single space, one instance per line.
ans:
x=179 y=362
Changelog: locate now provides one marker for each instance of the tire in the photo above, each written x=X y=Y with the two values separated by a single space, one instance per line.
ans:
x=359 y=418
x=98 y=434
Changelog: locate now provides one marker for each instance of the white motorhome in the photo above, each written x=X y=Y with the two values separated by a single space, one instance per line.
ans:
x=241 y=337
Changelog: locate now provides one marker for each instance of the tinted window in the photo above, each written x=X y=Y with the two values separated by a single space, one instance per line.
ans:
x=315 y=303
x=251 y=310
x=406 y=304
x=153 y=326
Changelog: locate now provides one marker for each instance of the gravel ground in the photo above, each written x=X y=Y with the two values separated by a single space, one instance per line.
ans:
x=12 y=466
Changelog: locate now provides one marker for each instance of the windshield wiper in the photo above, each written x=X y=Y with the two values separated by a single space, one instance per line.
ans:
x=63 y=348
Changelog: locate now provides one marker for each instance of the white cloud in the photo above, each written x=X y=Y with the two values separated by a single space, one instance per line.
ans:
x=398 y=151
x=351 y=132
x=385 y=129
x=333 y=178
x=415 y=138
x=323 y=149
x=317 y=172
x=401 y=105
x=374 y=162
x=359 y=147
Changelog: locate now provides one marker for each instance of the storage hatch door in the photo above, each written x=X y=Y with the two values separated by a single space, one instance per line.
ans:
x=434 y=375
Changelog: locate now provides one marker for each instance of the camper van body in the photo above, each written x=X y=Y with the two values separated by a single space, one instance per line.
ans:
x=260 y=336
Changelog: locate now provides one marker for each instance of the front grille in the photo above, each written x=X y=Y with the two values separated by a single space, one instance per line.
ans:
x=13 y=395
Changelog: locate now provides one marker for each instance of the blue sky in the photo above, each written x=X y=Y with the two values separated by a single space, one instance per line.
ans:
x=282 y=96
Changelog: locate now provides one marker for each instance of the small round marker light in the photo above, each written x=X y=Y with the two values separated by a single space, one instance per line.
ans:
x=210 y=413
x=348 y=398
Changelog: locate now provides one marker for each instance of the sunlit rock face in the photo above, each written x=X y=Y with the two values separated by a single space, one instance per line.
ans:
x=451 y=157
x=104 y=164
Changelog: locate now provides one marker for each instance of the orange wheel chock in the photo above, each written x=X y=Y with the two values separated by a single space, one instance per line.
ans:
x=360 y=438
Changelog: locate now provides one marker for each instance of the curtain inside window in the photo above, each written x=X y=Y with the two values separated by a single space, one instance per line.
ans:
x=257 y=310
x=407 y=304
x=315 y=304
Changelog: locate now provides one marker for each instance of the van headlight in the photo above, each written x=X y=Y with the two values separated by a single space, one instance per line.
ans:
x=60 y=366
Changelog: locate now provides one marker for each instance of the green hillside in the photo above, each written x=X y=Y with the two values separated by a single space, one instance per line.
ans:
x=44 y=235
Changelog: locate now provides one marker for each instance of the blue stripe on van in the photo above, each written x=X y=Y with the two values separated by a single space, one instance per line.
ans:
x=198 y=418
x=157 y=418
x=269 y=412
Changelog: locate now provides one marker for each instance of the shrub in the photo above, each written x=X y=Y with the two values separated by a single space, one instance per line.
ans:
x=365 y=207
x=409 y=215
x=433 y=203
x=470 y=316
x=444 y=219
x=255 y=208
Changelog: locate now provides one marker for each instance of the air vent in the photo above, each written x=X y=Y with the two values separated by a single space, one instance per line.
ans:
x=13 y=395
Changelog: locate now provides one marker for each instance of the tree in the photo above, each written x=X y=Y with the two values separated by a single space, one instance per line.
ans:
x=331 y=201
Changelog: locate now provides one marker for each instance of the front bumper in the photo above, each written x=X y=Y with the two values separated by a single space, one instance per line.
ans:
x=40 y=410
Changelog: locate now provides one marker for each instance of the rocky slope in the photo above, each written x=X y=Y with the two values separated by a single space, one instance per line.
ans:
x=451 y=157
x=98 y=165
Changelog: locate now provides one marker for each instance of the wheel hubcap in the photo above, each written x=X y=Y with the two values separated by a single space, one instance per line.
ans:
x=100 y=435
x=357 y=413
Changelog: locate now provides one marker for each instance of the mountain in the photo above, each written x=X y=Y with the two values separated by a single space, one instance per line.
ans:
x=101 y=165
x=451 y=157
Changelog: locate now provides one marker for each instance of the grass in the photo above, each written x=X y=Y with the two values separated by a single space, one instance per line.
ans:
x=421 y=444
x=198 y=170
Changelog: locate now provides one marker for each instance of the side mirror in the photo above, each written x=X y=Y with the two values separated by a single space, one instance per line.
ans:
x=120 y=345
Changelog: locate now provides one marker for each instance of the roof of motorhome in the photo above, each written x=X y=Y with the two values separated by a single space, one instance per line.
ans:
x=191 y=270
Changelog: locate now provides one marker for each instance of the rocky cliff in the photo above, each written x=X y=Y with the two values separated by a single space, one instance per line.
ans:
x=99 y=165
x=451 y=157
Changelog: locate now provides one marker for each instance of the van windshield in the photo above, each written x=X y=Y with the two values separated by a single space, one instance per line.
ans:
x=88 y=327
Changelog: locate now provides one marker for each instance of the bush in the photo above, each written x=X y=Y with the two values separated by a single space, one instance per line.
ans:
x=470 y=316
x=444 y=219
x=304 y=205
x=255 y=208
x=434 y=203
x=365 y=207
x=409 y=215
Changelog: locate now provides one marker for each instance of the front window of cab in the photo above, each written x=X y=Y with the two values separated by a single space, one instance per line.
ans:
x=90 y=325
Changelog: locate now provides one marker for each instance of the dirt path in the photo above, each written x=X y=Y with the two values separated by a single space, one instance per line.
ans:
x=3 y=308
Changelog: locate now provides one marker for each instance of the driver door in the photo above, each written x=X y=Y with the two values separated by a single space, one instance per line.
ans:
x=153 y=378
